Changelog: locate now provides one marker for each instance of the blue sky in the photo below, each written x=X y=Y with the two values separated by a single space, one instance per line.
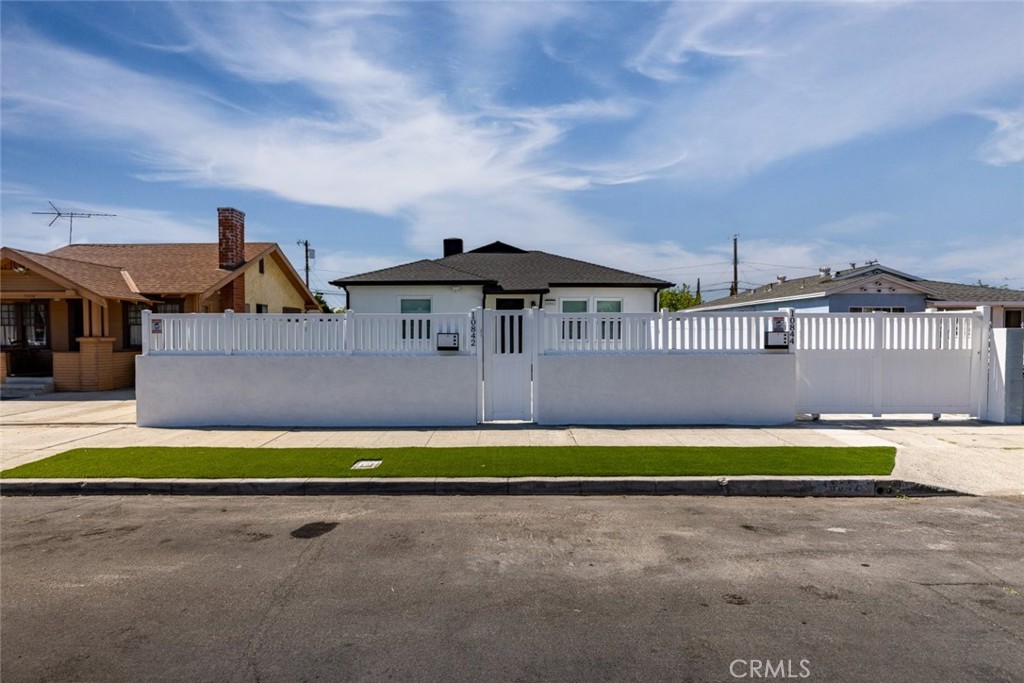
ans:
x=633 y=134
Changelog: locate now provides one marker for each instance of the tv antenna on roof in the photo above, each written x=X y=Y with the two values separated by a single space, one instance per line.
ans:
x=70 y=215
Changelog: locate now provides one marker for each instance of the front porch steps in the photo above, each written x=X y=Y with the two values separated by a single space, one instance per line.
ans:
x=25 y=387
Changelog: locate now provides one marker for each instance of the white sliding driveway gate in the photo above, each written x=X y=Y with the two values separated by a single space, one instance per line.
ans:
x=882 y=363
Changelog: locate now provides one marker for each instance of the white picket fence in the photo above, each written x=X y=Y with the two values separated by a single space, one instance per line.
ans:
x=368 y=333
x=294 y=334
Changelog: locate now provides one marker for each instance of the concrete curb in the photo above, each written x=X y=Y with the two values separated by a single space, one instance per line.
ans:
x=522 y=486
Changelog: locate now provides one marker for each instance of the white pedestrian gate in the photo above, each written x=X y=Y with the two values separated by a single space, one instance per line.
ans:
x=508 y=339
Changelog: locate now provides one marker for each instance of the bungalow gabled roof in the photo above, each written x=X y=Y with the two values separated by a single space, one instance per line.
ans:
x=500 y=267
x=94 y=281
x=164 y=268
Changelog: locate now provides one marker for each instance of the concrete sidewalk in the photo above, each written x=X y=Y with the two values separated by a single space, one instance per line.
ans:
x=954 y=453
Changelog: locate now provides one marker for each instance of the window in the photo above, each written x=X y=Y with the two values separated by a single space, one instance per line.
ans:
x=262 y=308
x=170 y=306
x=574 y=329
x=8 y=323
x=878 y=309
x=415 y=329
x=24 y=324
x=414 y=306
x=133 y=324
x=610 y=329
x=262 y=267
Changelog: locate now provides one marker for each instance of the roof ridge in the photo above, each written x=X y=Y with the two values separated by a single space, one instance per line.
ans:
x=592 y=264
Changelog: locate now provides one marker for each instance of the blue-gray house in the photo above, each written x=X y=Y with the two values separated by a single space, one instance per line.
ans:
x=874 y=287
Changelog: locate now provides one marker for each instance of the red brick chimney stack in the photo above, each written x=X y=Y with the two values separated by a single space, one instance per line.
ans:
x=231 y=237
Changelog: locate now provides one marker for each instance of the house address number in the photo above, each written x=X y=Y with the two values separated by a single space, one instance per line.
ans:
x=472 y=330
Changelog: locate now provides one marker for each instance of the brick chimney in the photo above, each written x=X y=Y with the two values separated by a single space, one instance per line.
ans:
x=230 y=237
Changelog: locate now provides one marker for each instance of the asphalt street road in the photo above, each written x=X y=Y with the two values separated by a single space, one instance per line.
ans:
x=511 y=589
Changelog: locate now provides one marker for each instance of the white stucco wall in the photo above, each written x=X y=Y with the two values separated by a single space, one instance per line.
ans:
x=306 y=391
x=738 y=389
x=444 y=298
x=1006 y=377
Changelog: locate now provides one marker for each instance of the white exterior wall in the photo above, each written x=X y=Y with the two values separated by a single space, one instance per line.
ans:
x=306 y=391
x=735 y=388
x=634 y=299
x=444 y=298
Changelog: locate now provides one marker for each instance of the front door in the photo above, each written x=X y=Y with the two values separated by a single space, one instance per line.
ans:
x=508 y=346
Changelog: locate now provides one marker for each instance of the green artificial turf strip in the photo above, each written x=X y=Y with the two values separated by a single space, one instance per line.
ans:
x=499 y=461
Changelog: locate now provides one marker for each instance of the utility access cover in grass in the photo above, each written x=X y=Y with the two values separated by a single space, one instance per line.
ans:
x=498 y=461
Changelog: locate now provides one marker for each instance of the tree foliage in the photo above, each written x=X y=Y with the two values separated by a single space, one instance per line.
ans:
x=324 y=306
x=678 y=298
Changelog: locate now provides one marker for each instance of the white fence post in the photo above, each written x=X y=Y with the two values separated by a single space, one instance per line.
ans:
x=349 y=323
x=476 y=322
x=791 y=328
x=981 y=337
x=227 y=331
x=877 y=356
x=666 y=341
x=146 y=313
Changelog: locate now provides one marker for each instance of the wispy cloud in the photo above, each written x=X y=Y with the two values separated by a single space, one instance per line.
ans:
x=1006 y=145
x=330 y=105
x=802 y=77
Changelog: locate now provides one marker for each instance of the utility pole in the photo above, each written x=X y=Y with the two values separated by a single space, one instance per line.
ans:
x=734 y=289
x=70 y=215
x=310 y=253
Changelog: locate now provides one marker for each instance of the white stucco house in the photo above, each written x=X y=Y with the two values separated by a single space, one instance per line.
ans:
x=503 y=277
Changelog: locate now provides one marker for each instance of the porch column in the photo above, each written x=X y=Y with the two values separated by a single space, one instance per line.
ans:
x=96 y=363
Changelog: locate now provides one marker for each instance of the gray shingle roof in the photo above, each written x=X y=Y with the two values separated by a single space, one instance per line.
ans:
x=818 y=285
x=501 y=267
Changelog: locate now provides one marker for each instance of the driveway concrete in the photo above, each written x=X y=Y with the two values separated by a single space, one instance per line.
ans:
x=521 y=589
x=954 y=453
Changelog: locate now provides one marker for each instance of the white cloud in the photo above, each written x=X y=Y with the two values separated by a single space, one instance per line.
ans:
x=789 y=79
x=1006 y=145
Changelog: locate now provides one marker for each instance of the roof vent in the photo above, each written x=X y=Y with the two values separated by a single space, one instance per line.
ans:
x=452 y=246
x=780 y=278
x=825 y=271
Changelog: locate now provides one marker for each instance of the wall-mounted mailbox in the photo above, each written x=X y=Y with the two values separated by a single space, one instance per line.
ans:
x=447 y=341
x=776 y=340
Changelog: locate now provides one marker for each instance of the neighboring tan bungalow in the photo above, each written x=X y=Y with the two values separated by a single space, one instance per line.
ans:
x=500 y=276
x=76 y=313
x=874 y=287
